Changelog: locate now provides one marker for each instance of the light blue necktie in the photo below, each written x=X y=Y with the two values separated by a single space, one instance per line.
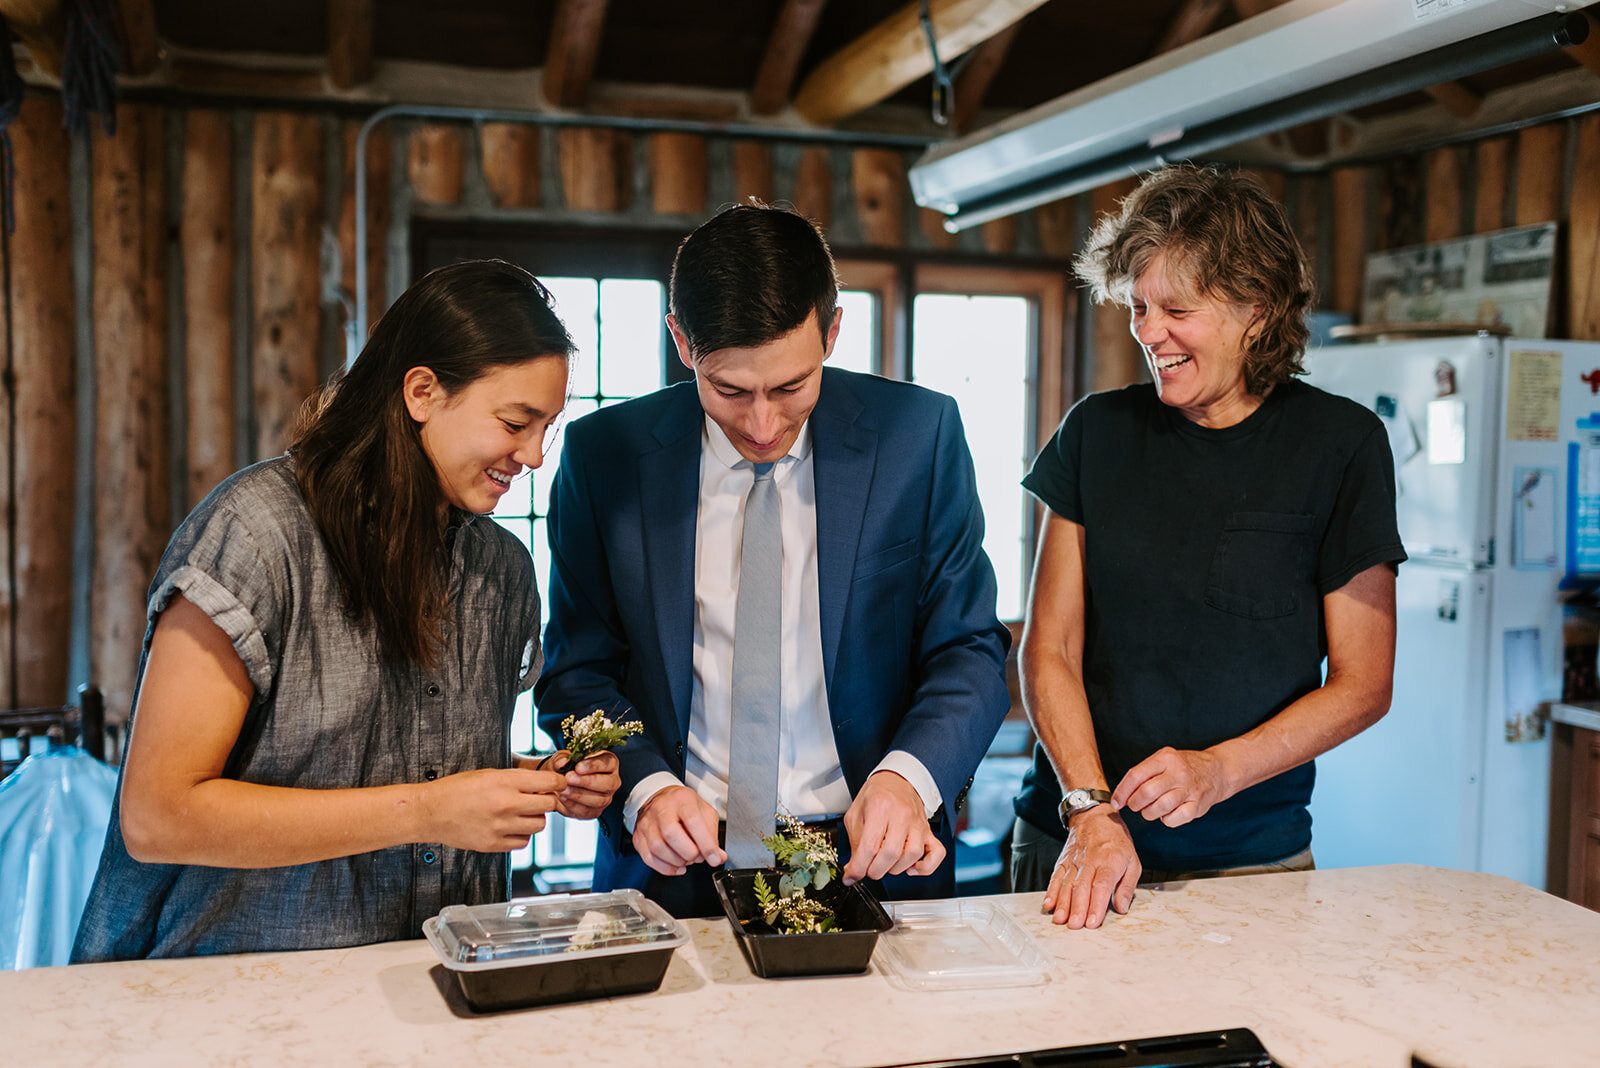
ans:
x=757 y=676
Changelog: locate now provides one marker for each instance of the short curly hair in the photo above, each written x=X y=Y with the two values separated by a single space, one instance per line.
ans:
x=1224 y=236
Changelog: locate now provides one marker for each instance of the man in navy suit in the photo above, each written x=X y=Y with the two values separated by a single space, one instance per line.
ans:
x=893 y=661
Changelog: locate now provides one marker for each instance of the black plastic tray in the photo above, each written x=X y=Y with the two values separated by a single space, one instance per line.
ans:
x=774 y=956
x=549 y=982
x=1236 y=1047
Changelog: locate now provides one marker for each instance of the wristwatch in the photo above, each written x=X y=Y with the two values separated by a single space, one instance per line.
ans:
x=1076 y=801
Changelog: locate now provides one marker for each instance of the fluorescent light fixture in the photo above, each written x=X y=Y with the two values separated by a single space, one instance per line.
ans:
x=1304 y=60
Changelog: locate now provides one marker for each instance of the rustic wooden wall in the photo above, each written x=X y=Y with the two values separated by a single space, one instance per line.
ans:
x=228 y=217
x=42 y=413
x=239 y=203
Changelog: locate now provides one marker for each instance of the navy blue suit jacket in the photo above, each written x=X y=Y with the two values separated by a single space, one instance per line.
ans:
x=913 y=653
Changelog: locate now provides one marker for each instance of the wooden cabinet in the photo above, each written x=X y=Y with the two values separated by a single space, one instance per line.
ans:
x=1575 y=822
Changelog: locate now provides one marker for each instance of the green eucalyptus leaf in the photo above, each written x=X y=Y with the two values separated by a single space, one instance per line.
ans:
x=822 y=876
x=786 y=886
x=800 y=879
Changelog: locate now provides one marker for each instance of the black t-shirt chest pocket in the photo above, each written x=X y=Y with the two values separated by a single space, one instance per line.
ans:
x=1262 y=564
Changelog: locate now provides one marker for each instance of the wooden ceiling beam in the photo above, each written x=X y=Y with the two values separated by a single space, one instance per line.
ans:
x=894 y=53
x=351 y=31
x=1456 y=98
x=791 y=34
x=1588 y=53
x=41 y=26
x=1251 y=8
x=1193 y=21
x=977 y=74
x=141 y=46
x=574 y=47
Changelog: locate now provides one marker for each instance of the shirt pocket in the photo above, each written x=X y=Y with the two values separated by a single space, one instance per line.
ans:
x=1262 y=564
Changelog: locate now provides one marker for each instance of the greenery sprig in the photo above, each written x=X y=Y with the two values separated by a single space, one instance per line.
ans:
x=812 y=863
x=595 y=733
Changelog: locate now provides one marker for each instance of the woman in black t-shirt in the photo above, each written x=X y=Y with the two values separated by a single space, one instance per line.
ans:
x=1212 y=535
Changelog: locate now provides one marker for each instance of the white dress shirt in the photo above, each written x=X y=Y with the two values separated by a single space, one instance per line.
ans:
x=810 y=781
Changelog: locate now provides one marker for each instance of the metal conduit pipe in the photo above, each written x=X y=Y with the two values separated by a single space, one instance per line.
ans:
x=482 y=115
x=1473 y=55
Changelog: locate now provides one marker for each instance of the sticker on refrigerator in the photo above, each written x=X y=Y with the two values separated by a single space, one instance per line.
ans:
x=1449 y=599
x=1533 y=396
x=1525 y=713
x=1533 y=519
x=1397 y=425
x=1583 y=498
x=1447 y=431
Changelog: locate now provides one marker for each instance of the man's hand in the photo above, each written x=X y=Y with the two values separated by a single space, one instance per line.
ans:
x=1098 y=867
x=675 y=829
x=590 y=786
x=1174 y=786
x=889 y=834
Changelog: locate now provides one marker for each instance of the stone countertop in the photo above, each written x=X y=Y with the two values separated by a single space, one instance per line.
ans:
x=1360 y=966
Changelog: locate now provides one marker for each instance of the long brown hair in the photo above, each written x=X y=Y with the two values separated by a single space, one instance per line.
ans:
x=357 y=453
x=1226 y=236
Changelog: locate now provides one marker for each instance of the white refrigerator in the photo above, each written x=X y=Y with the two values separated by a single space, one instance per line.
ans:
x=1497 y=459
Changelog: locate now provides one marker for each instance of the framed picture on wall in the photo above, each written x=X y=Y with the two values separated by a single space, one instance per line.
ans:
x=1499 y=279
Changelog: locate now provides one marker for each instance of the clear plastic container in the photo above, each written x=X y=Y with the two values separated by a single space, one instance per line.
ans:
x=959 y=945
x=543 y=950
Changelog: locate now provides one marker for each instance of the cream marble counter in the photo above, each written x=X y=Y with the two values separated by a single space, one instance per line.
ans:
x=1345 y=967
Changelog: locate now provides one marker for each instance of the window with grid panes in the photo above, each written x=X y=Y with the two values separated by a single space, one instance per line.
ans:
x=617 y=326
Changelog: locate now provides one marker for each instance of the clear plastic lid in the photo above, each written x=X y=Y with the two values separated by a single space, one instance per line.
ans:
x=530 y=929
x=955 y=945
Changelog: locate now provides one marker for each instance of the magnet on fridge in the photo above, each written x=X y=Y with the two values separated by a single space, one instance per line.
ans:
x=1449 y=599
x=1444 y=379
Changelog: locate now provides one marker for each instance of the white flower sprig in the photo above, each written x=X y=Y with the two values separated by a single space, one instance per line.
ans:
x=595 y=733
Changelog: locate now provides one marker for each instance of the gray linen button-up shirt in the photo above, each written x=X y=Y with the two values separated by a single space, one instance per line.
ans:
x=330 y=710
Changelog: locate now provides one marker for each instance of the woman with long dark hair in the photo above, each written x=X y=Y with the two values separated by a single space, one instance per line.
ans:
x=320 y=754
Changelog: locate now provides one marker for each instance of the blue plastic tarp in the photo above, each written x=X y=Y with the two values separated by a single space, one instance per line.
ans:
x=54 y=810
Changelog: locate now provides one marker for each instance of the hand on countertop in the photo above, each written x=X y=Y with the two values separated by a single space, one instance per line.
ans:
x=1098 y=867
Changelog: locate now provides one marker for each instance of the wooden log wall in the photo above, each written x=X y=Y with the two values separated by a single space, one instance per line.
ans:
x=236 y=204
x=42 y=414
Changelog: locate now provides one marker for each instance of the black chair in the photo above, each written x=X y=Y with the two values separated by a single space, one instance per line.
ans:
x=84 y=723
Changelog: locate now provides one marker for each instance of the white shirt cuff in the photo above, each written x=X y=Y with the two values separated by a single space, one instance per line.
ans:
x=912 y=771
x=648 y=787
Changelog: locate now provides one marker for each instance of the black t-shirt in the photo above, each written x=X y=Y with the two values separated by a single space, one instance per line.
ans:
x=1207 y=555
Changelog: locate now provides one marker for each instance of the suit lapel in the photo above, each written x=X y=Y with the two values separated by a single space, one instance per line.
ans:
x=669 y=493
x=843 y=457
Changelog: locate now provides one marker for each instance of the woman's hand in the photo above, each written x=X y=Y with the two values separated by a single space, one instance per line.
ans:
x=1175 y=786
x=490 y=810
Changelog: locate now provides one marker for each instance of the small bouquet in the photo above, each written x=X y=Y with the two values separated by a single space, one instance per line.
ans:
x=811 y=863
x=594 y=733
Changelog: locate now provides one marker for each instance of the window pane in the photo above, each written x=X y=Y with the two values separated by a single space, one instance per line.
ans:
x=976 y=350
x=631 y=323
x=578 y=304
x=857 y=346
x=617 y=327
